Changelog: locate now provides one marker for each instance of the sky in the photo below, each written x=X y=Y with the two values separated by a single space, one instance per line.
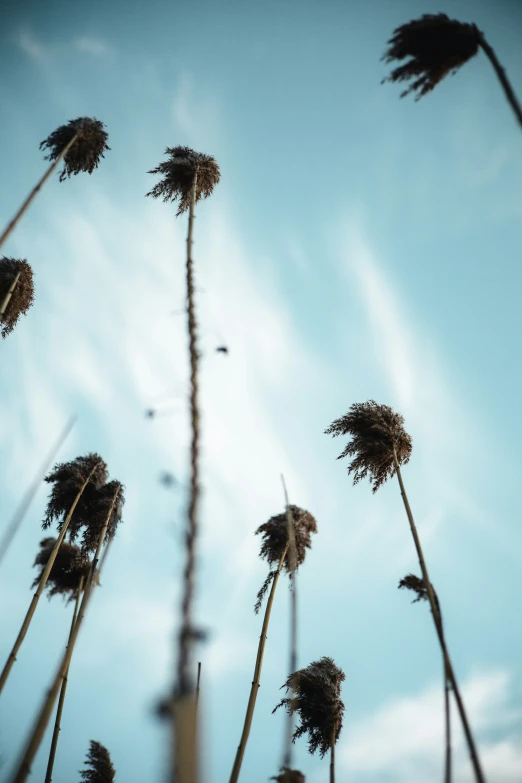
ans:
x=358 y=246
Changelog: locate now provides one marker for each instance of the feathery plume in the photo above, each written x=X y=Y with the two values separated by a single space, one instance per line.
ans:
x=274 y=544
x=69 y=568
x=178 y=177
x=317 y=700
x=87 y=150
x=376 y=430
x=436 y=45
x=22 y=296
x=99 y=765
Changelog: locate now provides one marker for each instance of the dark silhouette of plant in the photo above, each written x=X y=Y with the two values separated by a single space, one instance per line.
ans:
x=187 y=177
x=379 y=445
x=178 y=172
x=288 y=775
x=28 y=497
x=417 y=586
x=317 y=701
x=16 y=291
x=99 y=765
x=70 y=567
x=274 y=549
x=70 y=480
x=438 y=46
x=80 y=144
x=93 y=517
x=275 y=543
x=30 y=750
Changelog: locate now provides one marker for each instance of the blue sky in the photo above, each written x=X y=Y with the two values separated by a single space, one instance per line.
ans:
x=358 y=246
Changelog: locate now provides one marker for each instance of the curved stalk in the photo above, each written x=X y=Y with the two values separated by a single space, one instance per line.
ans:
x=257 y=674
x=479 y=775
x=23 y=769
x=63 y=689
x=501 y=74
x=31 y=492
x=41 y=586
x=35 y=190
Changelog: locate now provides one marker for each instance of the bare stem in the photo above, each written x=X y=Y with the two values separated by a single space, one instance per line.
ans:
x=41 y=586
x=32 y=490
x=257 y=675
x=292 y=562
x=479 y=775
x=501 y=74
x=186 y=772
x=35 y=190
x=63 y=689
x=332 y=755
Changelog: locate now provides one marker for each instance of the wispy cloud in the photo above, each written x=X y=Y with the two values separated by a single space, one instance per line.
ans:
x=402 y=742
x=94 y=46
x=33 y=48
x=195 y=111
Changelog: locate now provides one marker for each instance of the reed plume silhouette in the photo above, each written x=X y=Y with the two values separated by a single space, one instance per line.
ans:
x=70 y=568
x=16 y=291
x=99 y=765
x=178 y=177
x=274 y=549
x=70 y=480
x=274 y=544
x=89 y=139
x=317 y=701
x=187 y=176
x=23 y=767
x=289 y=776
x=375 y=431
x=379 y=445
x=80 y=144
x=418 y=586
x=438 y=46
x=94 y=515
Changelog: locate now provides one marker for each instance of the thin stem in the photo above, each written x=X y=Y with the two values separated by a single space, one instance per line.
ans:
x=41 y=586
x=7 y=298
x=197 y=685
x=332 y=754
x=479 y=775
x=501 y=74
x=35 y=190
x=447 y=717
x=63 y=689
x=186 y=771
x=257 y=674
x=32 y=490
x=23 y=768
x=292 y=562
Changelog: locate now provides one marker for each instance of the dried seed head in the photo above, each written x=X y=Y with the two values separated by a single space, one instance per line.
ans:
x=288 y=775
x=275 y=540
x=437 y=46
x=418 y=586
x=85 y=153
x=23 y=295
x=317 y=700
x=376 y=430
x=67 y=570
x=102 y=503
x=67 y=479
x=178 y=177
x=99 y=765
